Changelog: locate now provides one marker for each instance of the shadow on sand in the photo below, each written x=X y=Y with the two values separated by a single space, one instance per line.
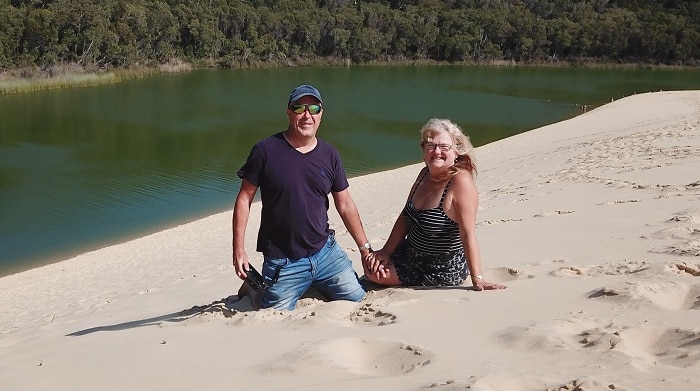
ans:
x=228 y=307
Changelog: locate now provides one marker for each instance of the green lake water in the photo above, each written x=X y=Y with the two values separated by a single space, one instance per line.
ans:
x=85 y=167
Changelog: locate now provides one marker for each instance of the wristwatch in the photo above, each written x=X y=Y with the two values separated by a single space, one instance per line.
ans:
x=478 y=277
x=365 y=246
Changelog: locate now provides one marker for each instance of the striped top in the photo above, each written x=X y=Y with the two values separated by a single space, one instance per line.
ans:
x=432 y=231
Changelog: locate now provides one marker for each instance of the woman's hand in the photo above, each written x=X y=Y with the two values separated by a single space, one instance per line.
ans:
x=373 y=261
x=483 y=285
x=377 y=266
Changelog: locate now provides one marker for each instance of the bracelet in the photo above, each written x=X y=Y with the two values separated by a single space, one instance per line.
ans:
x=478 y=277
x=366 y=246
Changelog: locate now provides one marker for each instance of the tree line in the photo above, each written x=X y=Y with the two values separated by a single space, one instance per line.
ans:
x=234 y=33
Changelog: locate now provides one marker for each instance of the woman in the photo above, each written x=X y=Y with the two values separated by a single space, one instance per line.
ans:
x=433 y=241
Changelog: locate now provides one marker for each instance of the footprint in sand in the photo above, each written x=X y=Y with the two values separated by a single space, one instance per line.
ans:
x=533 y=382
x=368 y=315
x=687 y=232
x=449 y=385
x=360 y=356
x=499 y=221
x=619 y=202
x=552 y=336
x=666 y=294
x=685 y=268
x=674 y=347
x=678 y=232
x=608 y=269
x=506 y=274
x=686 y=248
x=690 y=215
x=650 y=344
x=585 y=384
x=554 y=213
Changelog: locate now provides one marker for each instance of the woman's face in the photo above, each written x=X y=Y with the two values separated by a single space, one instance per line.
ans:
x=439 y=153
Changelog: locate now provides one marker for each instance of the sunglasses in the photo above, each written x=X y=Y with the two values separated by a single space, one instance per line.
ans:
x=300 y=109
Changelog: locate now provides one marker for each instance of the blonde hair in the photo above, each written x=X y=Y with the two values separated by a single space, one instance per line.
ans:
x=460 y=143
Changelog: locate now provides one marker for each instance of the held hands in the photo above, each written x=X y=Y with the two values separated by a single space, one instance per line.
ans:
x=375 y=262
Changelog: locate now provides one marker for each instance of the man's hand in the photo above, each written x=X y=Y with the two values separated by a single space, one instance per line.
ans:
x=240 y=263
x=376 y=263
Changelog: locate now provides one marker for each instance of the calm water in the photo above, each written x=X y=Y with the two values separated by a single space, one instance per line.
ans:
x=82 y=168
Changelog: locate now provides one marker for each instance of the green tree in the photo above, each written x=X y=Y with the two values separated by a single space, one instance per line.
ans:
x=614 y=30
x=424 y=32
x=226 y=33
x=163 y=38
x=11 y=27
x=528 y=41
x=40 y=40
x=84 y=30
x=130 y=25
x=494 y=31
x=200 y=37
x=561 y=36
x=458 y=36
x=338 y=33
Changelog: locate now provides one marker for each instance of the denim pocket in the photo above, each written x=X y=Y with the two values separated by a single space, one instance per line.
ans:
x=272 y=268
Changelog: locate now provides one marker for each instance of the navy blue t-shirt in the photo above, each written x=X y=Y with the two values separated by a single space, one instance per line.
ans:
x=294 y=189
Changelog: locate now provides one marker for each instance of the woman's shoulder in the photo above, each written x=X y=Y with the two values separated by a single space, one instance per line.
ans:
x=463 y=176
x=462 y=180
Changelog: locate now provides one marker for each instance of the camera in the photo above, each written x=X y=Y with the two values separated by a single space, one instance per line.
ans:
x=255 y=279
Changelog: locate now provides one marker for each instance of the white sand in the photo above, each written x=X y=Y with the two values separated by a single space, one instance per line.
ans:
x=593 y=223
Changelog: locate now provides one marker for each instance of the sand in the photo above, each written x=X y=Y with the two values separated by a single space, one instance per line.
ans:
x=593 y=223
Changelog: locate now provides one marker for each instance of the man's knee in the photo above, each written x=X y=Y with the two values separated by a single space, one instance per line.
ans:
x=346 y=287
x=357 y=295
x=279 y=304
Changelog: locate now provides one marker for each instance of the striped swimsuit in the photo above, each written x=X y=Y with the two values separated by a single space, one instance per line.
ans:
x=432 y=254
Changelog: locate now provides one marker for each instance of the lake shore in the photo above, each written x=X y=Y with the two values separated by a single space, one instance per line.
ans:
x=24 y=80
x=592 y=222
x=15 y=81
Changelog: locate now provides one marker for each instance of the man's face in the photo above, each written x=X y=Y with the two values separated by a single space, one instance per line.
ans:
x=305 y=123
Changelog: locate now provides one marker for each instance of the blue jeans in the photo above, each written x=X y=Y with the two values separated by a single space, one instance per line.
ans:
x=329 y=271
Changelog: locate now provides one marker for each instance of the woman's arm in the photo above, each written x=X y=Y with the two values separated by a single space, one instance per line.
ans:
x=461 y=205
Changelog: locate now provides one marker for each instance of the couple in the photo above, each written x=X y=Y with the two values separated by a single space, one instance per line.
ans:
x=432 y=243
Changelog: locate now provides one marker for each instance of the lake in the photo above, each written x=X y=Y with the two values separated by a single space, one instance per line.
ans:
x=86 y=167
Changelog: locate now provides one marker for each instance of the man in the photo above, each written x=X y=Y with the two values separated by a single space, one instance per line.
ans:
x=295 y=172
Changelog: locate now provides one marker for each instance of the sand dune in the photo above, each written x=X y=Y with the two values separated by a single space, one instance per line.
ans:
x=593 y=223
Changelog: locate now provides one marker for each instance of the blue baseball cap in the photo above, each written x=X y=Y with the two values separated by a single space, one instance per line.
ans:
x=302 y=91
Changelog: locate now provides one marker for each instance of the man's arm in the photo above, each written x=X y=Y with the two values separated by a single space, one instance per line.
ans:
x=241 y=212
x=351 y=218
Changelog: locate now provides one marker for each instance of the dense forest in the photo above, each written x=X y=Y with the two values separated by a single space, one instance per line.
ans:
x=238 y=33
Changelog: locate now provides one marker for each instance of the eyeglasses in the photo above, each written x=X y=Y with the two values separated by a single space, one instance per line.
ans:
x=300 y=109
x=442 y=147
